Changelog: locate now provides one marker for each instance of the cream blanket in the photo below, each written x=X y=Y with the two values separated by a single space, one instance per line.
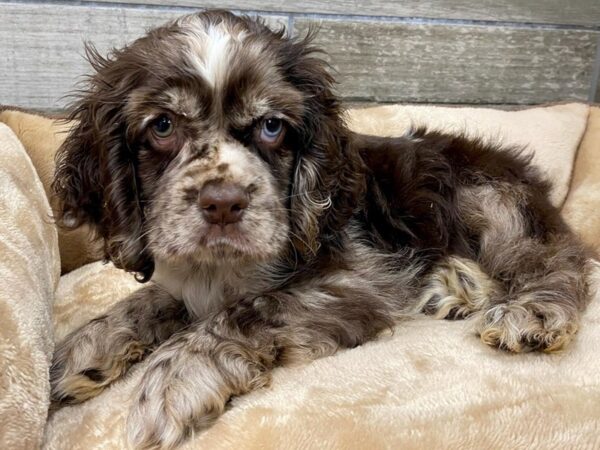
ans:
x=430 y=384
x=29 y=273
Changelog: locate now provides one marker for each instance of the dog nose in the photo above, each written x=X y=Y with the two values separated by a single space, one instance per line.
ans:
x=223 y=203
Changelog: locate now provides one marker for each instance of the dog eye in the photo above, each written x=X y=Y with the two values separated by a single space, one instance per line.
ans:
x=163 y=126
x=271 y=130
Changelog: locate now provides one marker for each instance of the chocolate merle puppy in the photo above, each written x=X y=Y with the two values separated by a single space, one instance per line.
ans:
x=212 y=158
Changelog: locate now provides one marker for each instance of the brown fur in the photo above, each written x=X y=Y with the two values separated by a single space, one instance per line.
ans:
x=343 y=236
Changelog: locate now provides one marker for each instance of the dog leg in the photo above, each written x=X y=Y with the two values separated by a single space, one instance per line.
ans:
x=191 y=377
x=455 y=289
x=540 y=309
x=100 y=352
x=540 y=265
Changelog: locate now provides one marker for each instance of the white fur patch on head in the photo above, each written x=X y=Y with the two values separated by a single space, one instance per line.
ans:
x=210 y=51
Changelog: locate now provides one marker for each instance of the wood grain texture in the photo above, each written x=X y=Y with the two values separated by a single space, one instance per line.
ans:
x=574 y=12
x=378 y=60
x=42 y=46
x=386 y=62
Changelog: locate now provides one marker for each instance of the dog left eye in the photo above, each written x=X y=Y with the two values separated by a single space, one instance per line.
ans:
x=163 y=126
x=271 y=130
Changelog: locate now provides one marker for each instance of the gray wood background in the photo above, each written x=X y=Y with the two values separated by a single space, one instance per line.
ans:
x=438 y=51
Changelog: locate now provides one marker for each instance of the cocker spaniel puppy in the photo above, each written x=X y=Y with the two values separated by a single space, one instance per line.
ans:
x=212 y=158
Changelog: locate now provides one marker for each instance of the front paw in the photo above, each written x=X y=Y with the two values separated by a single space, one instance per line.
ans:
x=88 y=360
x=456 y=289
x=180 y=393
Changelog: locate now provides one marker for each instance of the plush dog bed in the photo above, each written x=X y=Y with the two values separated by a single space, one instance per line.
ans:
x=429 y=384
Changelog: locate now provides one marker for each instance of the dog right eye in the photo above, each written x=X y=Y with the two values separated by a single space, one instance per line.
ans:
x=163 y=126
x=271 y=130
x=270 y=133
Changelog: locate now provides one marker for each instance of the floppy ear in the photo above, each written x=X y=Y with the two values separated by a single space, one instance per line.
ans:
x=329 y=173
x=95 y=176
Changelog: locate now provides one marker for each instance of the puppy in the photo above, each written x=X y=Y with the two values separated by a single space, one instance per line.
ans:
x=212 y=158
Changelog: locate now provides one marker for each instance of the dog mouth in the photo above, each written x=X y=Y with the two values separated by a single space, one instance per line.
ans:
x=219 y=243
x=226 y=239
x=223 y=232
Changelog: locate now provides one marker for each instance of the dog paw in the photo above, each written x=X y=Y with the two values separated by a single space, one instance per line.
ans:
x=85 y=363
x=455 y=289
x=179 y=394
x=523 y=328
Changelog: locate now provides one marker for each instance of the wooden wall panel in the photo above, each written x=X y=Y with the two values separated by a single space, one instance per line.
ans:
x=459 y=51
x=579 y=12
x=43 y=46
x=397 y=62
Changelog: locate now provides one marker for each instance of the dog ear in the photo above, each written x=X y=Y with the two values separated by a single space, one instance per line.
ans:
x=329 y=173
x=95 y=178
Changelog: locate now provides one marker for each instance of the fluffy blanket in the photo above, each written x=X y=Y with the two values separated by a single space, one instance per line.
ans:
x=29 y=273
x=429 y=384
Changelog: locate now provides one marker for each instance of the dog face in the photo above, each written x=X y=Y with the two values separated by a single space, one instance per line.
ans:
x=212 y=139
x=215 y=140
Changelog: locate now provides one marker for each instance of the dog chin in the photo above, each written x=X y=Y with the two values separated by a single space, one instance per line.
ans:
x=228 y=248
x=222 y=246
x=229 y=234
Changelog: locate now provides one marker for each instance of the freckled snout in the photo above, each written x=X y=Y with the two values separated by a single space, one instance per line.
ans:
x=223 y=203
